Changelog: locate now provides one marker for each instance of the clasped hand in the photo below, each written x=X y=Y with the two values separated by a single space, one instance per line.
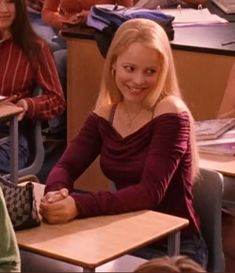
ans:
x=58 y=207
x=76 y=19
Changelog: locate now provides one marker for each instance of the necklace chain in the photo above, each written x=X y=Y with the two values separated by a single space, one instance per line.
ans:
x=132 y=119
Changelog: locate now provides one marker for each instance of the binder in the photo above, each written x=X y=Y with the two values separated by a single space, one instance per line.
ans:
x=184 y=16
x=193 y=17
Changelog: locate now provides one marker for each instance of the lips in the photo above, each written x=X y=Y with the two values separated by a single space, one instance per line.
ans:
x=5 y=18
x=135 y=90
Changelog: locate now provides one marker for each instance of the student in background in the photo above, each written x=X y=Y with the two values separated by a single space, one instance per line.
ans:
x=65 y=13
x=227 y=107
x=47 y=32
x=57 y=44
x=9 y=252
x=25 y=62
x=169 y=264
x=143 y=132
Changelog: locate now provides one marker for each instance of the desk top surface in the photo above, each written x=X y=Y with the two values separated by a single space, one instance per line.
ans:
x=207 y=39
x=93 y=241
x=222 y=164
x=8 y=110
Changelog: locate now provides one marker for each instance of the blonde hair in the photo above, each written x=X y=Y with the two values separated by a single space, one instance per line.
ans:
x=170 y=264
x=153 y=36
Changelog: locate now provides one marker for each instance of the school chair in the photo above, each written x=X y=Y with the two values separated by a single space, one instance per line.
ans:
x=207 y=193
x=37 y=152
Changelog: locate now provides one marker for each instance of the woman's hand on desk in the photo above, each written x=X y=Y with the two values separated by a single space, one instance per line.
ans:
x=76 y=19
x=58 y=207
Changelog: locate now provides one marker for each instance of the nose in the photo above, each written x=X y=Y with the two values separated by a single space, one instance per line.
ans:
x=139 y=78
x=3 y=6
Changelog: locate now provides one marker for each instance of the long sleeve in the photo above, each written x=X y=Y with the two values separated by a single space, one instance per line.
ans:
x=81 y=152
x=18 y=76
x=9 y=252
x=51 y=103
x=163 y=174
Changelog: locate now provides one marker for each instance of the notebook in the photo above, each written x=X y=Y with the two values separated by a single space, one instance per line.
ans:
x=193 y=17
x=227 y=6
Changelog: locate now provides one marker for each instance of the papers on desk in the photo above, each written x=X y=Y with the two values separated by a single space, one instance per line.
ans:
x=12 y=98
x=224 y=144
x=2 y=98
x=193 y=17
x=213 y=128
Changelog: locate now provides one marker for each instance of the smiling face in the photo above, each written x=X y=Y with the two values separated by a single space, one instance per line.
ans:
x=7 y=16
x=136 y=72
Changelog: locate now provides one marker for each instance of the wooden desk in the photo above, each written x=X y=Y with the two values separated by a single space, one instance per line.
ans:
x=9 y=112
x=222 y=164
x=97 y=240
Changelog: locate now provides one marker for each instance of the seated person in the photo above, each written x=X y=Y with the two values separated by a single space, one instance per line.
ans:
x=143 y=132
x=47 y=32
x=169 y=264
x=57 y=126
x=25 y=62
x=9 y=252
x=227 y=107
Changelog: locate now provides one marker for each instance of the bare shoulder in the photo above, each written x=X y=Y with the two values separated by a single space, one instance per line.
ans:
x=104 y=111
x=170 y=104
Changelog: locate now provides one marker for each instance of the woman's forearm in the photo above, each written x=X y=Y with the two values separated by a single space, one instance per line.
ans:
x=50 y=13
x=52 y=18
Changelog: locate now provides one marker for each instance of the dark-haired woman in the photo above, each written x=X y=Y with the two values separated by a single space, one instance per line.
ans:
x=25 y=61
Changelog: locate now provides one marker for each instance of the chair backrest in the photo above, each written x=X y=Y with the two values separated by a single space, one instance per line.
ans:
x=37 y=151
x=207 y=192
x=36 y=142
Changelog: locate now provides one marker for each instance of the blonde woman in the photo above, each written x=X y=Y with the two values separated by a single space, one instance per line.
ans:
x=142 y=130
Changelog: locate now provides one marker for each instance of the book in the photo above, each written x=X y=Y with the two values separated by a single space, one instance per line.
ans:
x=227 y=6
x=213 y=128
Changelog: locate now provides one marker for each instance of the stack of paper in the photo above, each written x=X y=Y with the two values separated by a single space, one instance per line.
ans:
x=213 y=128
x=224 y=144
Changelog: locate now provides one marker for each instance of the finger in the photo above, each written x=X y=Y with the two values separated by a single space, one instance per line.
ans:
x=52 y=196
x=64 y=192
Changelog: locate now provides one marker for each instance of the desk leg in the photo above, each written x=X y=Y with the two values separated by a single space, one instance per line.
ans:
x=14 y=160
x=174 y=244
x=86 y=269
